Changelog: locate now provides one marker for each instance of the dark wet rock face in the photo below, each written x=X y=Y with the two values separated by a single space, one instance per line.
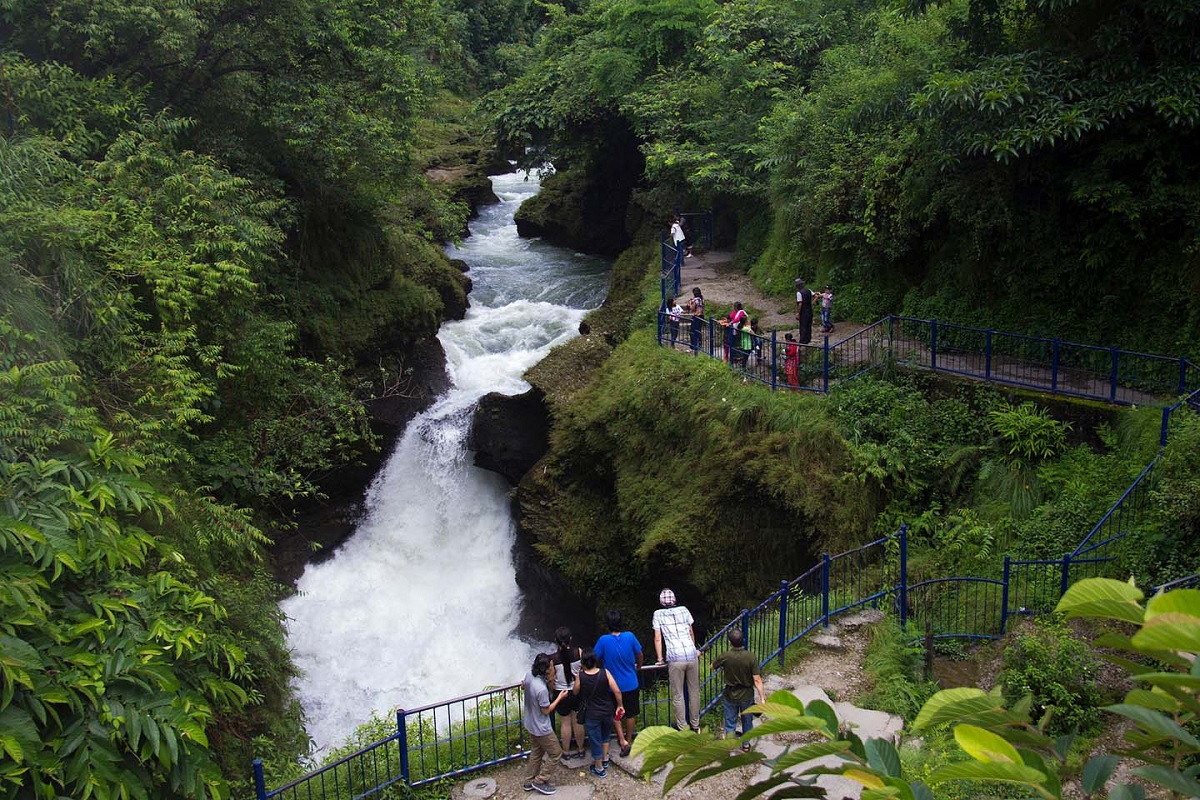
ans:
x=325 y=524
x=510 y=434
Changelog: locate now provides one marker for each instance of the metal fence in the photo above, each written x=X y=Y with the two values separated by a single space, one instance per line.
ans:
x=1052 y=365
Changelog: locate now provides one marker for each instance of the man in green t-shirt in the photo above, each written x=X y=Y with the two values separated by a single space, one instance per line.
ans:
x=743 y=683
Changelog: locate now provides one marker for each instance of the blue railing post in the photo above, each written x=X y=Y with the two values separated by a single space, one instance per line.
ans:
x=825 y=367
x=1004 y=595
x=402 y=741
x=1166 y=423
x=1112 y=389
x=774 y=360
x=987 y=357
x=260 y=782
x=1054 y=365
x=1182 y=376
x=746 y=627
x=933 y=345
x=661 y=319
x=711 y=334
x=903 y=575
x=825 y=589
x=784 y=593
x=1066 y=573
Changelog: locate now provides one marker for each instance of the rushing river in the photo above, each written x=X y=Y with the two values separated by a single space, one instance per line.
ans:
x=421 y=603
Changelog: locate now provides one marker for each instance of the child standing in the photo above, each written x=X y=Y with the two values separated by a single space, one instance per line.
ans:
x=673 y=314
x=826 y=309
x=791 y=359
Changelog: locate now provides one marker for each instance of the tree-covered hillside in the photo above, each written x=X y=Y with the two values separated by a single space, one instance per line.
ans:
x=1031 y=166
x=217 y=242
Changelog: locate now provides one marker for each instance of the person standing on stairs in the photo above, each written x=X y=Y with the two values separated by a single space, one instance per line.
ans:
x=675 y=646
x=743 y=683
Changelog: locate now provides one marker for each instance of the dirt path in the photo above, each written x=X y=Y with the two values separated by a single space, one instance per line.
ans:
x=723 y=284
x=834 y=663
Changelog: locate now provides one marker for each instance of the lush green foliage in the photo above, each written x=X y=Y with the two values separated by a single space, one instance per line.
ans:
x=1047 y=661
x=962 y=160
x=895 y=664
x=213 y=216
x=999 y=745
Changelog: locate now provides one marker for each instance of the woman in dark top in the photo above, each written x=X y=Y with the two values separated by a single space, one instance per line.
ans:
x=598 y=693
x=566 y=666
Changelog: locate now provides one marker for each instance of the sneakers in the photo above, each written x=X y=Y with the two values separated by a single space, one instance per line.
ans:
x=545 y=787
x=599 y=773
x=604 y=765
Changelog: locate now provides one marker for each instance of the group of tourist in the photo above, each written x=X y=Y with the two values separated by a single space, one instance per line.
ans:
x=597 y=690
x=742 y=339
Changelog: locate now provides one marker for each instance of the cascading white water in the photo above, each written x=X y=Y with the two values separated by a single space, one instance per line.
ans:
x=421 y=603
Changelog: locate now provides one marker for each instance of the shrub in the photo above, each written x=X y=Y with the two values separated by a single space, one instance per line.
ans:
x=894 y=664
x=1045 y=659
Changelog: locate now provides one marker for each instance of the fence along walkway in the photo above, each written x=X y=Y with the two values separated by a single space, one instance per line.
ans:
x=1108 y=374
x=445 y=739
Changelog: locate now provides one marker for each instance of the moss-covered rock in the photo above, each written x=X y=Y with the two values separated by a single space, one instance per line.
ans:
x=579 y=211
x=667 y=468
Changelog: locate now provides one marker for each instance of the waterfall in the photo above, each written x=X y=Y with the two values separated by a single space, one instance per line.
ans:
x=421 y=603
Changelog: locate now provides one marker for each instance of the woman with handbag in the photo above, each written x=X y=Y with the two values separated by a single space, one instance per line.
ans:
x=599 y=703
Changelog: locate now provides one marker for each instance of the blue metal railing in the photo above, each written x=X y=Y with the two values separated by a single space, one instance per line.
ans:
x=1065 y=368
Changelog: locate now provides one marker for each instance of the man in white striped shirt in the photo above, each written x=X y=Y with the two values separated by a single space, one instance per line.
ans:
x=673 y=633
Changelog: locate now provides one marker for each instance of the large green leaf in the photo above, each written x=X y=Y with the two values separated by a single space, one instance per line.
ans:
x=698 y=757
x=987 y=771
x=983 y=745
x=882 y=755
x=823 y=711
x=1185 y=602
x=1097 y=771
x=1169 y=632
x=1155 y=723
x=1170 y=779
x=809 y=752
x=1102 y=597
x=951 y=705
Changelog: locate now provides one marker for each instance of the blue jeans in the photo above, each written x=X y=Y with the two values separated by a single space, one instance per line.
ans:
x=825 y=315
x=733 y=711
x=599 y=731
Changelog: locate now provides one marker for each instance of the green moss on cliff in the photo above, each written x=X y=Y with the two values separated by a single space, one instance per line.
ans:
x=668 y=467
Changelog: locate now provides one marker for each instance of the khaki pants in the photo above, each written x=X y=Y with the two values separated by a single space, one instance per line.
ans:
x=680 y=673
x=540 y=747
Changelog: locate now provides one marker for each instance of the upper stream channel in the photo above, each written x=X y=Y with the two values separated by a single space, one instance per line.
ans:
x=421 y=603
